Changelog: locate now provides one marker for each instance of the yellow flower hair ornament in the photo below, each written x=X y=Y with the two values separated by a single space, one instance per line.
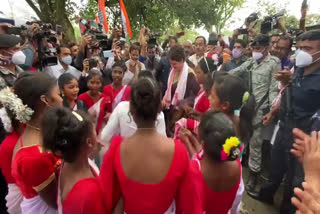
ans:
x=231 y=149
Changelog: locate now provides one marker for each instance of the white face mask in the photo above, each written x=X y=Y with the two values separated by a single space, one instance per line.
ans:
x=18 y=58
x=304 y=59
x=257 y=55
x=67 y=60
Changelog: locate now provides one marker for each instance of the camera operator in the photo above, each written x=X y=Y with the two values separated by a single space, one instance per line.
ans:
x=299 y=103
x=10 y=57
x=238 y=56
x=84 y=44
x=258 y=71
x=63 y=65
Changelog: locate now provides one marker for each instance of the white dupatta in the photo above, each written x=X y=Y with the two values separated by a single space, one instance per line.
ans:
x=118 y=98
x=180 y=90
x=94 y=110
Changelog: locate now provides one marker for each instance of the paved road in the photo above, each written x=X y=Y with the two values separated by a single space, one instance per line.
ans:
x=256 y=207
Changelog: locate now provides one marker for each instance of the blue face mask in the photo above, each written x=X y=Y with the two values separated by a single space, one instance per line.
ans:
x=67 y=60
x=151 y=56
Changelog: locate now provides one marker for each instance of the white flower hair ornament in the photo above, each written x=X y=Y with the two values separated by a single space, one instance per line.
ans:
x=12 y=102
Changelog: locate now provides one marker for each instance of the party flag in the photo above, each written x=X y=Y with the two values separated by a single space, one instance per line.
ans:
x=125 y=20
x=102 y=15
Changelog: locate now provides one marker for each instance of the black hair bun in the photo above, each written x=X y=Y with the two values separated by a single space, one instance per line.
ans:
x=63 y=133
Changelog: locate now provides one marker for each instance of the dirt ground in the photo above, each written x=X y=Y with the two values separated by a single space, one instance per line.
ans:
x=255 y=207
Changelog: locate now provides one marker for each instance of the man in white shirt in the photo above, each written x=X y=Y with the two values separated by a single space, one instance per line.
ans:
x=64 y=64
x=121 y=123
x=201 y=46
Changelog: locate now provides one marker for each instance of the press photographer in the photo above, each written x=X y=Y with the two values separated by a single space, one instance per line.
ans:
x=63 y=64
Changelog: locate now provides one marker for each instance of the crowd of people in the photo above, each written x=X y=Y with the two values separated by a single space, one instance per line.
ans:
x=135 y=127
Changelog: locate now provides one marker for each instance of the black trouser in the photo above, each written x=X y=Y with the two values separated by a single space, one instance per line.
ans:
x=283 y=162
x=3 y=194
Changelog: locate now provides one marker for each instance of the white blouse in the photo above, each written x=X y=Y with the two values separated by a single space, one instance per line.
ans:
x=120 y=123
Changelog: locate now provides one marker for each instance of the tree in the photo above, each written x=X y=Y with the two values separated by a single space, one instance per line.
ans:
x=266 y=8
x=55 y=12
x=208 y=13
x=160 y=15
x=313 y=19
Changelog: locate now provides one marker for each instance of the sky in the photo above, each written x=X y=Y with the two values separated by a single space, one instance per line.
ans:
x=21 y=11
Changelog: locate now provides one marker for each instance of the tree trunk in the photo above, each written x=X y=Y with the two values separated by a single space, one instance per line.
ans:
x=61 y=18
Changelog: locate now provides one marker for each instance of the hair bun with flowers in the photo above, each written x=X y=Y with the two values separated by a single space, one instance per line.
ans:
x=231 y=149
x=11 y=102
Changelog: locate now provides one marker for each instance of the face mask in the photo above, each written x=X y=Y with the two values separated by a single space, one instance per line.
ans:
x=151 y=57
x=304 y=59
x=236 y=53
x=257 y=55
x=18 y=58
x=67 y=60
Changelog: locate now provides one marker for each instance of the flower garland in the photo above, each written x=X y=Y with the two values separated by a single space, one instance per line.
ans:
x=12 y=102
x=6 y=121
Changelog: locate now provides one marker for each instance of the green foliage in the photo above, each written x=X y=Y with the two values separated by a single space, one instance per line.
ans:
x=291 y=22
x=190 y=34
x=161 y=15
x=312 y=19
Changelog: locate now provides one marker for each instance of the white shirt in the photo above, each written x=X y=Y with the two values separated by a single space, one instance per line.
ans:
x=129 y=76
x=195 y=59
x=57 y=70
x=121 y=124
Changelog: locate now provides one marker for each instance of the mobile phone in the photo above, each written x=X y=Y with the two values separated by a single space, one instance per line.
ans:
x=107 y=54
x=58 y=29
x=83 y=21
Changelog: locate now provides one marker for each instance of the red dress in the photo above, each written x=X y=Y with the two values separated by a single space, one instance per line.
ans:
x=112 y=97
x=212 y=202
x=85 y=197
x=34 y=169
x=147 y=198
x=85 y=97
x=202 y=103
x=6 y=152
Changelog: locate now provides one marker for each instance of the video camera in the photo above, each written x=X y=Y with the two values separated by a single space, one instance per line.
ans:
x=98 y=38
x=46 y=55
x=153 y=38
x=16 y=30
x=270 y=23
x=253 y=17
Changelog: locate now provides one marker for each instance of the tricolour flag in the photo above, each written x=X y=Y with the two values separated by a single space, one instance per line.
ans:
x=102 y=15
x=125 y=20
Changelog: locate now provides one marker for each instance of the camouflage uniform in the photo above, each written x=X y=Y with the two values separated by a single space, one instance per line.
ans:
x=262 y=83
x=7 y=77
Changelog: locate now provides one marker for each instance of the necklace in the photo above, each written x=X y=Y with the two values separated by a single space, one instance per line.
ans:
x=146 y=128
x=33 y=127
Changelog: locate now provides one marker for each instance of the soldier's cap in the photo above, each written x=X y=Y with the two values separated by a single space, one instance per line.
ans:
x=9 y=41
x=261 y=40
